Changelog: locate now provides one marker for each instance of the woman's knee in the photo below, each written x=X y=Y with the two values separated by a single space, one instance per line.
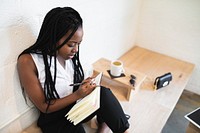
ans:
x=105 y=91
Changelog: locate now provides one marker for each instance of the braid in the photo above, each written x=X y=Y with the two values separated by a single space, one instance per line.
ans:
x=56 y=24
x=78 y=71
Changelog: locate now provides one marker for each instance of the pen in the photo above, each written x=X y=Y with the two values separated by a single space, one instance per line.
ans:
x=76 y=84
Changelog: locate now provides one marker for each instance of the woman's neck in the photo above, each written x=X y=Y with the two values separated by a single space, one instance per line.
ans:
x=61 y=61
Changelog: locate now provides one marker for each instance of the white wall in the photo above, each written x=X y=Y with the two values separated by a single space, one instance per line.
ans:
x=109 y=32
x=172 y=27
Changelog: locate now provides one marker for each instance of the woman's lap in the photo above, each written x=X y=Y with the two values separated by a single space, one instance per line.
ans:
x=110 y=112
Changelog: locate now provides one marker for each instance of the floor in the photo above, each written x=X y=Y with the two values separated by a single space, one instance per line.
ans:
x=176 y=122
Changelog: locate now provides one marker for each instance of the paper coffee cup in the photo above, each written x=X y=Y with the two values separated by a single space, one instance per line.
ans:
x=116 y=68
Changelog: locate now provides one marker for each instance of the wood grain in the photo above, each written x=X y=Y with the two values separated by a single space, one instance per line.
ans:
x=151 y=109
x=121 y=87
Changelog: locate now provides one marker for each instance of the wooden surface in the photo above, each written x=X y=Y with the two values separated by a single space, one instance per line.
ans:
x=121 y=86
x=150 y=109
x=33 y=128
x=192 y=128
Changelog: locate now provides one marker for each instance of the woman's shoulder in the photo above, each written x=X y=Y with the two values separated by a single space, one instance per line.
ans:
x=25 y=59
x=25 y=62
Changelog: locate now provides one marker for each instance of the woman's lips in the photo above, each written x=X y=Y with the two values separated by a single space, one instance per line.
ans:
x=71 y=56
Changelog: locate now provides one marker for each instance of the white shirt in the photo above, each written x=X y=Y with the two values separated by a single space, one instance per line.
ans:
x=64 y=77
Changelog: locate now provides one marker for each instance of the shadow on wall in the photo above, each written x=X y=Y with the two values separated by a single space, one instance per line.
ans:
x=21 y=38
x=18 y=37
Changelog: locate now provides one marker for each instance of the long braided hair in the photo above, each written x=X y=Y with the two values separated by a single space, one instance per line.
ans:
x=56 y=24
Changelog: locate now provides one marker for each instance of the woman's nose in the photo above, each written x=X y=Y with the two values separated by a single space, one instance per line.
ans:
x=75 y=49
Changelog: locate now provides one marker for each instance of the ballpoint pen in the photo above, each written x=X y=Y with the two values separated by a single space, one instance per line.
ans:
x=76 y=84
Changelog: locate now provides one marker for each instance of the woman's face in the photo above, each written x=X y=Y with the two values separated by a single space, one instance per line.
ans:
x=68 y=50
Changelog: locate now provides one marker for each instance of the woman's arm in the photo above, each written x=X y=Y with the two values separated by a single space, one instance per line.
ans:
x=28 y=78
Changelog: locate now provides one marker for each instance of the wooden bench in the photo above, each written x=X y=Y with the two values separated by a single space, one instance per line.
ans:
x=90 y=127
x=150 y=109
x=33 y=128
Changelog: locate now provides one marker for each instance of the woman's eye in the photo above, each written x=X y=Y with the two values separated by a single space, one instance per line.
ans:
x=71 y=44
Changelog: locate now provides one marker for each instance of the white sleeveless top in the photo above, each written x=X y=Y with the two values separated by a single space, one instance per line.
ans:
x=64 y=77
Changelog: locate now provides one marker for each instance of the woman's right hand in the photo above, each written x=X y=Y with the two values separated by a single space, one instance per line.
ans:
x=86 y=88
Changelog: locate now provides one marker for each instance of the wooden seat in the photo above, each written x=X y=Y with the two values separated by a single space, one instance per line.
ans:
x=33 y=128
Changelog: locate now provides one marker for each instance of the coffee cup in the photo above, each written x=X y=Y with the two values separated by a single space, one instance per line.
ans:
x=116 y=68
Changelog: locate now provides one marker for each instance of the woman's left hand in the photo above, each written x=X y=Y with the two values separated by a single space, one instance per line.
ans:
x=87 y=87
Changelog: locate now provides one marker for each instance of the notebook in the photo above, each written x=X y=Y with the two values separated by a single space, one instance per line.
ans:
x=87 y=105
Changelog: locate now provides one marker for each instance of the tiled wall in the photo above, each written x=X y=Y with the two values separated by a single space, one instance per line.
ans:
x=172 y=27
x=109 y=32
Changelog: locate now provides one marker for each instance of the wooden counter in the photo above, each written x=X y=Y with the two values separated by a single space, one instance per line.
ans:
x=150 y=109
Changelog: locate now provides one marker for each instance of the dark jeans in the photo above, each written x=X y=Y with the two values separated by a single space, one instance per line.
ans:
x=110 y=112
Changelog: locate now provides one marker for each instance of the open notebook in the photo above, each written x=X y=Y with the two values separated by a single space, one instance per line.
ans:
x=87 y=105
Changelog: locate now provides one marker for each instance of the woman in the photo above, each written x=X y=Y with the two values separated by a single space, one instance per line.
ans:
x=51 y=64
